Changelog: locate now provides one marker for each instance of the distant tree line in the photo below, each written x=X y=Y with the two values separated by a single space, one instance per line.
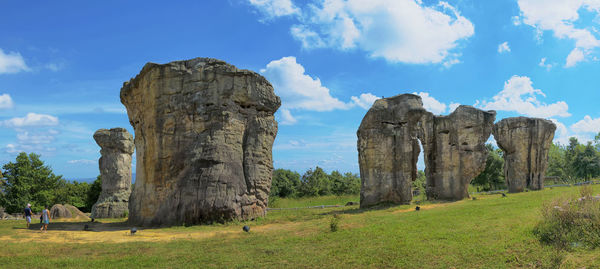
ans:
x=29 y=180
x=575 y=162
x=314 y=182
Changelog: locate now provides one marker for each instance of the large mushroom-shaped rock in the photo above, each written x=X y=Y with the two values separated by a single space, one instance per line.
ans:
x=388 y=149
x=204 y=132
x=525 y=143
x=455 y=151
x=116 y=147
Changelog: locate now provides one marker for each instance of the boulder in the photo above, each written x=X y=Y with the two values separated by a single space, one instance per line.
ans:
x=204 y=132
x=388 y=149
x=525 y=143
x=116 y=147
x=59 y=211
x=455 y=151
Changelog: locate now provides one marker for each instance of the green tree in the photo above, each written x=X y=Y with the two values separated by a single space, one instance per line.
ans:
x=285 y=183
x=28 y=180
x=93 y=193
x=314 y=183
x=492 y=177
x=557 y=162
x=352 y=183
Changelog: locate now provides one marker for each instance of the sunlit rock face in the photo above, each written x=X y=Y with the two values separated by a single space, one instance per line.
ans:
x=525 y=143
x=388 y=150
x=116 y=148
x=204 y=132
x=455 y=151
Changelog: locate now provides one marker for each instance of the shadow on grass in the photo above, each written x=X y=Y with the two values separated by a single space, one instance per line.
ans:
x=96 y=226
x=383 y=206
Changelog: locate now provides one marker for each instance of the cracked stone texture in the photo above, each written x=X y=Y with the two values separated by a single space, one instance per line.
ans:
x=455 y=151
x=525 y=143
x=204 y=132
x=388 y=150
x=116 y=148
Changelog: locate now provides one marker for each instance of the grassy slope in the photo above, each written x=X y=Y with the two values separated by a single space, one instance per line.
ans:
x=490 y=232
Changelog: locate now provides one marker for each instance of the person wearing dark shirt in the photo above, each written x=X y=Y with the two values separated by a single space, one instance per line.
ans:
x=28 y=214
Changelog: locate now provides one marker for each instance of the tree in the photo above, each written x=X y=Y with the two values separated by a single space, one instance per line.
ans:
x=93 y=193
x=352 y=182
x=314 y=183
x=285 y=183
x=28 y=180
x=556 y=161
x=492 y=177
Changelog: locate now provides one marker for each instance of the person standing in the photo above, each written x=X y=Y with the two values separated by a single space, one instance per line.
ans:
x=45 y=219
x=28 y=214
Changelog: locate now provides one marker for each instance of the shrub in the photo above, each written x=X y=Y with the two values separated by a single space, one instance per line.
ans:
x=333 y=225
x=568 y=223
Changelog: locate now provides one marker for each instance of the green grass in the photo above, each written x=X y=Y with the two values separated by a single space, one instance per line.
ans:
x=490 y=232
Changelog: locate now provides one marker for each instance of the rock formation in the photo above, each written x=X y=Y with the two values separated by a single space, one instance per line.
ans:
x=115 y=170
x=388 y=150
x=66 y=211
x=455 y=151
x=525 y=143
x=204 y=132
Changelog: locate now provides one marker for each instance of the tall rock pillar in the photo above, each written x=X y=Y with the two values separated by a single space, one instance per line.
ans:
x=525 y=143
x=115 y=170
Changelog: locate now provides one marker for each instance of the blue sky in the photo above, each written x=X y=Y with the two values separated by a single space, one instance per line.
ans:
x=62 y=64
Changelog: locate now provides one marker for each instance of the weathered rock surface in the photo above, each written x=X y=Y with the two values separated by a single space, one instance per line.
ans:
x=115 y=170
x=388 y=149
x=66 y=211
x=525 y=143
x=204 y=132
x=455 y=151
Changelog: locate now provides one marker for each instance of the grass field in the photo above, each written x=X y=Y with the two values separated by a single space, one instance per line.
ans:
x=489 y=232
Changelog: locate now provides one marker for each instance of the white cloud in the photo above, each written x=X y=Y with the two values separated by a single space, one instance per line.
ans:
x=574 y=57
x=587 y=125
x=405 y=31
x=5 y=101
x=503 y=47
x=431 y=104
x=12 y=62
x=543 y=63
x=453 y=106
x=519 y=96
x=83 y=161
x=297 y=89
x=559 y=16
x=516 y=20
x=287 y=118
x=37 y=148
x=275 y=8
x=365 y=100
x=31 y=120
x=35 y=138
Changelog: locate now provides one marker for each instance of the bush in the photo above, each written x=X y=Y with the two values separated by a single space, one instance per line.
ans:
x=333 y=225
x=568 y=223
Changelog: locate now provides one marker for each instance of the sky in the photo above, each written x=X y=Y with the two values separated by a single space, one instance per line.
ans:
x=63 y=63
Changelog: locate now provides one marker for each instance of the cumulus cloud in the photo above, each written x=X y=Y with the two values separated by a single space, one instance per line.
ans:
x=12 y=62
x=299 y=90
x=453 y=106
x=37 y=148
x=406 y=31
x=27 y=137
x=365 y=100
x=6 y=102
x=275 y=8
x=587 y=125
x=31 y=120
x=560 y=16
x=503 y=48
x=431 y=104
x=519 y=96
